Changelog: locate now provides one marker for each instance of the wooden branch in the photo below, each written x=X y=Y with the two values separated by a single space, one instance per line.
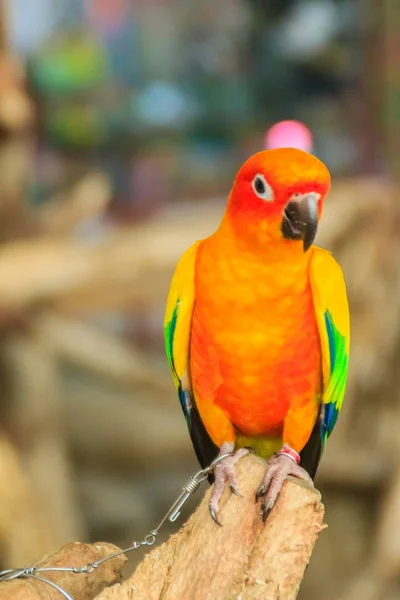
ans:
x=387 y=545
x=345 y=464
x=87 y=199
x=23 y=531
x=243 y=559
x=117 y=438
x=101 y=353
x=34 y=417
x=79 y=586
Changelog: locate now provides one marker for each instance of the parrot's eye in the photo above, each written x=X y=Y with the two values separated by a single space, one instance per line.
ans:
x=262 y=188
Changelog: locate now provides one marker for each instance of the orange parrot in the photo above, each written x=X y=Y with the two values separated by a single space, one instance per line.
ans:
x=257 y=327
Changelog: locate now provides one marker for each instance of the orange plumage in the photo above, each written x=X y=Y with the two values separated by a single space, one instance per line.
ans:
x=248 y=355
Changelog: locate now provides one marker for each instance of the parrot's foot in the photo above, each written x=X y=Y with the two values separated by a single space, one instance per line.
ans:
x=224 y=472
x=282 y=464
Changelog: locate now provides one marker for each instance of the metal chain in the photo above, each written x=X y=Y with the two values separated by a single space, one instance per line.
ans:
x=190 y=488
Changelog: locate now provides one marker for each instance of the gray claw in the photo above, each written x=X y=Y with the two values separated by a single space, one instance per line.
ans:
x=214 y=517
x=260 y=492
x=266 y=509
x=235 y=491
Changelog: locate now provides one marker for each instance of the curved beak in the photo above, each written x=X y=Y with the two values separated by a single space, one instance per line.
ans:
x=300 y=219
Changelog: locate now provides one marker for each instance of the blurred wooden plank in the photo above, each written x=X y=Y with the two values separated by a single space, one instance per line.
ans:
x=24 y=532
x=102 y=354
x=87 y=199
x=35 y=420
x=122 y=431
x=125 y=267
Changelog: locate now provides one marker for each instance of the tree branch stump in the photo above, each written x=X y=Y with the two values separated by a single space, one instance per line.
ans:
x=243 y=560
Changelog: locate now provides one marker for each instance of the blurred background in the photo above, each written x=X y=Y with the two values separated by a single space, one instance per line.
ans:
x=122 y=125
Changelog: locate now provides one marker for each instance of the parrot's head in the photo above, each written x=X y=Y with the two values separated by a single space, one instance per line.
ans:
x=277 y=197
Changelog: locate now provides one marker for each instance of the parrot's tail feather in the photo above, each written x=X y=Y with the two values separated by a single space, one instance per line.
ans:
x=312 y=451
x=206 y=450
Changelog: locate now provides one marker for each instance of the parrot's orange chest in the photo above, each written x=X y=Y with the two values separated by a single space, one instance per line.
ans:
x=255 y=348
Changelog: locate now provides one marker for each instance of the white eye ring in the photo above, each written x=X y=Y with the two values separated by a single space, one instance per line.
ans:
x=262 y=188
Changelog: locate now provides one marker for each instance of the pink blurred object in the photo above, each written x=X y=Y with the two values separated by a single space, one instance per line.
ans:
x=106 y=15
x=289 y=134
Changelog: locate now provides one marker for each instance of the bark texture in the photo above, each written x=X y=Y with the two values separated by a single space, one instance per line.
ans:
x=243 y=560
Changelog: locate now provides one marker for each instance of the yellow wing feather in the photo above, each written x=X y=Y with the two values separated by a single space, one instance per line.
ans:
x=178 y=315
x=177 y=330
x=332 y=313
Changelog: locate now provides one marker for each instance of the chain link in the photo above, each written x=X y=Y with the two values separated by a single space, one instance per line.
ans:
x=190 y=488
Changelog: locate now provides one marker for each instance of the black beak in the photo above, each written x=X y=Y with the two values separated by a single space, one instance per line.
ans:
x=300 y=220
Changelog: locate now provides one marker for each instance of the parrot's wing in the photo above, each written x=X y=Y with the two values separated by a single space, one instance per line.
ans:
x=332 y=313
x=177 y=330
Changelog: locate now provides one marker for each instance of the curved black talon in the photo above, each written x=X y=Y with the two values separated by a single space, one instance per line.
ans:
x=235 y=491
x=214 y=516
x=266 y=509
x=260 y=492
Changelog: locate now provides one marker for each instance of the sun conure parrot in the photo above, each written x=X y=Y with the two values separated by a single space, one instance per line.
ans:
x=257 y=327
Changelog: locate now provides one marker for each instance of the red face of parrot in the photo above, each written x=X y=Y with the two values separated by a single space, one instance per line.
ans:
x=278 y=195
